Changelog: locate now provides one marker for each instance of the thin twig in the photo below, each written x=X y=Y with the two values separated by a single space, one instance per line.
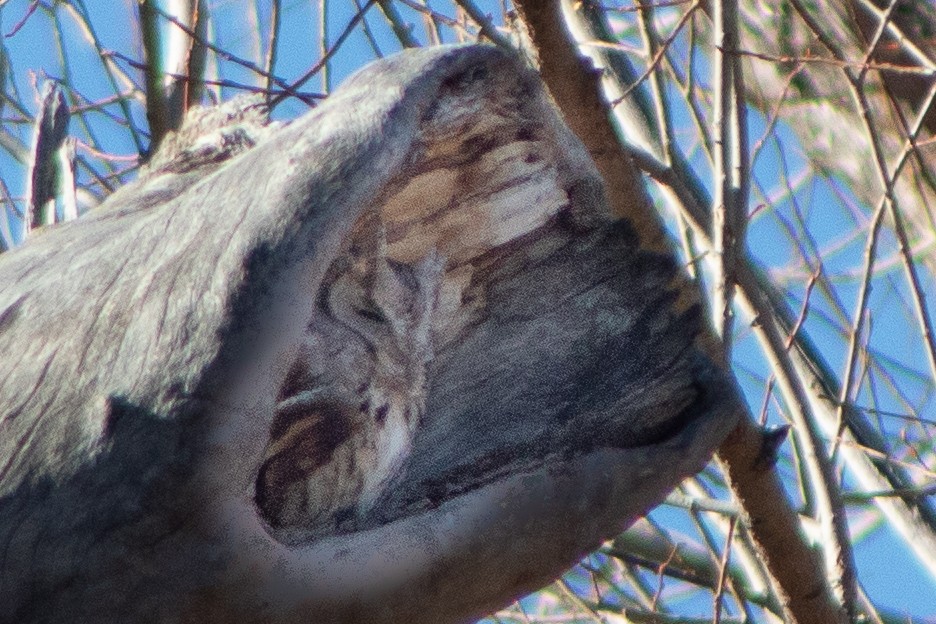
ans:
x=402 y=30
x=708 y=535
x=660 y=102
x=576 y=600
x=349 y=28
x=368 y=34
x=484 y=23
x=654 y=63
x=906 y=43
x=269 y=63
x=29 y=11
x=441 y=18
x=82 y=119
x=804 y=309
x=432 y=26
x=661 y=571
x=307 y=97
x=920 y=492
x=862 y=66
x=723 y=572
x=112 y=70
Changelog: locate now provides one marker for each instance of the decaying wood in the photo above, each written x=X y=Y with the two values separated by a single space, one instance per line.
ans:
x=146 y=346
x=796 y=567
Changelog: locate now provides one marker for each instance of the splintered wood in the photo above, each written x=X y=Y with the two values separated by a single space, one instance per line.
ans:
x=533 y=283
x=480 y=177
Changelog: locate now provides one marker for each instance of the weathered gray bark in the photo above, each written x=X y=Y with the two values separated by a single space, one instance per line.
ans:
x=144 y=346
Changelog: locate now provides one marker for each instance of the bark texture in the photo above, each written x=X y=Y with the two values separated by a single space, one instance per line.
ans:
x=145 y=345
x=796 y=568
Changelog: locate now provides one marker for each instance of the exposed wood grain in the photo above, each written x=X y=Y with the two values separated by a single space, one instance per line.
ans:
x=154 y=336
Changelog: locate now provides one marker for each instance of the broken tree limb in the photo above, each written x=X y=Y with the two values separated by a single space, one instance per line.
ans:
x=149 y=340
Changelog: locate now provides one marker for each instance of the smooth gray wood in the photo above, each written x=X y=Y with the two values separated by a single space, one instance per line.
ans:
x=143 y=346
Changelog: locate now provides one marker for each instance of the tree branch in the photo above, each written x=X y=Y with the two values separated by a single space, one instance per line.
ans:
x=775 y=528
